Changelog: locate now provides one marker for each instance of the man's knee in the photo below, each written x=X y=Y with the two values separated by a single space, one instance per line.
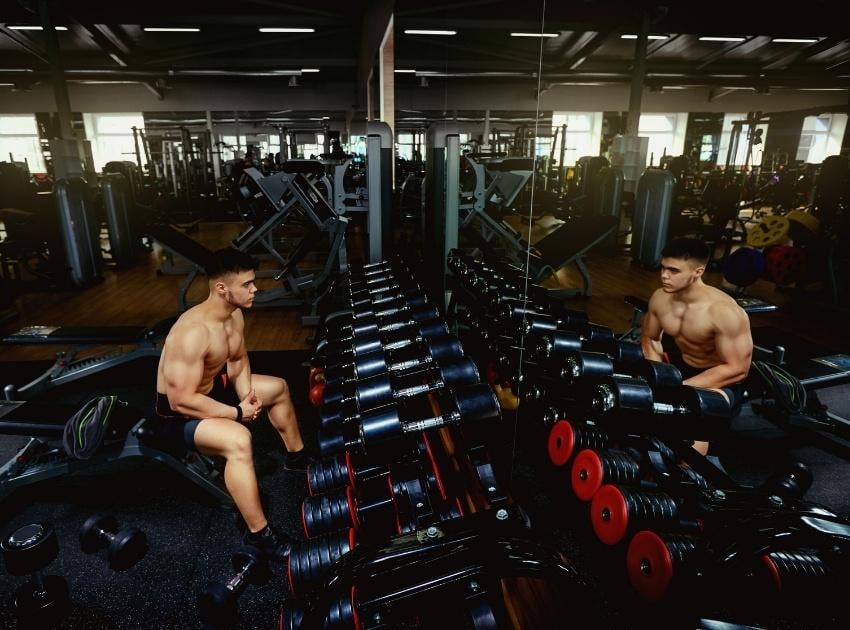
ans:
x=280 y=389
x=239 y=444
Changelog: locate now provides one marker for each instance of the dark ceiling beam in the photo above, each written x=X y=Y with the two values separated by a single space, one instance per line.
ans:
x=657 y=45
x=202 y=49
x=723 y=51
x=448 y=6
x=507 y=54
x=24 y=42
x=289 y=6
x=108 y=43
x=156 y=88
x=715 y=94
x=835 y=63
x=590 y=47
x=801 y=54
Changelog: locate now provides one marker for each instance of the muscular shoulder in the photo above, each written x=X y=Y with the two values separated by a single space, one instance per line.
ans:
x=190 y=336
x=728 y=316
x=659 y=298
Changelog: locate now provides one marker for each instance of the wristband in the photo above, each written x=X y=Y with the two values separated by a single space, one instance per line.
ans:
x=238 y=413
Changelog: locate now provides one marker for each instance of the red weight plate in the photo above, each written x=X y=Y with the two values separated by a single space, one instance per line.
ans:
x=561 y=442
x=586 y=474
x=609 y=514
x=649 y=565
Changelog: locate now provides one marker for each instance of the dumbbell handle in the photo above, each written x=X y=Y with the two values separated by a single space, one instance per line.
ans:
x=38 y=581
x=605 y=400
x=424 y=424
x=108 y=535
x=238 y=581
x=410 y=426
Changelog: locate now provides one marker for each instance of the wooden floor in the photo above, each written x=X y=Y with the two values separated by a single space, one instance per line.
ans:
x=142 y=296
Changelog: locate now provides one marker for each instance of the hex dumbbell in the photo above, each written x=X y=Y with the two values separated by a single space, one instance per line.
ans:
x=126 y=547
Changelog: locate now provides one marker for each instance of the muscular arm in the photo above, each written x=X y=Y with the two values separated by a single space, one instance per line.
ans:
x=184 y=370
x=651 y=332
x=734 y=347
x=238 y=367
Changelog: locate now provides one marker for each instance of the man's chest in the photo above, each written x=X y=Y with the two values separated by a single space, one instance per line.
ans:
x=224 y=345
x=692 y=324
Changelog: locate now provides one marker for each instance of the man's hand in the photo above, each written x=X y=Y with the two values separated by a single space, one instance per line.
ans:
x=251 y=406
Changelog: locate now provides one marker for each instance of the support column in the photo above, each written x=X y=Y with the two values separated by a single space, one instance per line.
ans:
x=216 y=157
x=57 y=75
x=236 y=125
x=386 y=62
x=633 y=121
x=485 y=138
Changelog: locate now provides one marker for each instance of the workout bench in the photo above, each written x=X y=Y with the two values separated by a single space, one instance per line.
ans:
x=39 y=459
x=67 y=368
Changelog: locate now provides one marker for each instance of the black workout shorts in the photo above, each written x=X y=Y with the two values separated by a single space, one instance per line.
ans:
x=735 y=392
x=176 y=429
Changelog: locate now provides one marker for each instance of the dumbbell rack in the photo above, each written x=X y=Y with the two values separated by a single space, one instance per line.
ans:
x=469 y=540
x=670 y=511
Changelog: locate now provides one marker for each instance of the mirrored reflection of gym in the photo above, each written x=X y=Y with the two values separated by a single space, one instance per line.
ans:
x=398 y=314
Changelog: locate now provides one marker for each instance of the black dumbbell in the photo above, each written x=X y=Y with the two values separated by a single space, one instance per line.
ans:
x=126 y=547
x=380 y=432
x=365 y=394
x=370 y=322
x=548 y=345
x=309 y=560
x=396 y=507
x=344 y=349
x=411 y=356
x=585 y=365
x=648 y=410
x=344 y=469
x=219 y=602
x=44 y=600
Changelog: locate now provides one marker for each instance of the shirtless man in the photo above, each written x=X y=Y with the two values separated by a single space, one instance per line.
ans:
x=711 y=332
x=191 y=385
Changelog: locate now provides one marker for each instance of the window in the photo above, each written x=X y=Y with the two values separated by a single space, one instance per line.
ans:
x=584 y=134
x=19 y=141
x=821 y=137
x=229 y=144
x=111 y=137
x=404 y=146
x=315 y=148
x=666 y=133
x=740 y=156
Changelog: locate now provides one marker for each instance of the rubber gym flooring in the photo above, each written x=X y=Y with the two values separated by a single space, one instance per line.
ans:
x=191 y=540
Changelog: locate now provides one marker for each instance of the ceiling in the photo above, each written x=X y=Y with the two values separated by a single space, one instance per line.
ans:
x=107 y=42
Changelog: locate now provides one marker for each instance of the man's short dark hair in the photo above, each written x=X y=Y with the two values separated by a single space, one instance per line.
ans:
x=230 y=260
x=687 y=249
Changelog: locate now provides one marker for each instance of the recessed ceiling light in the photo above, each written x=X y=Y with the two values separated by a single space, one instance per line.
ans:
x=794 y=40
x=28 y=27
x=534 y=34
x=286 y=29
x=400 y=71
x=170 y=29
x=16 y=70
x=416 y=31
x=309 y=69
x=6 y=84
x=721 y=39
x=632 y=36
x=824 y=89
